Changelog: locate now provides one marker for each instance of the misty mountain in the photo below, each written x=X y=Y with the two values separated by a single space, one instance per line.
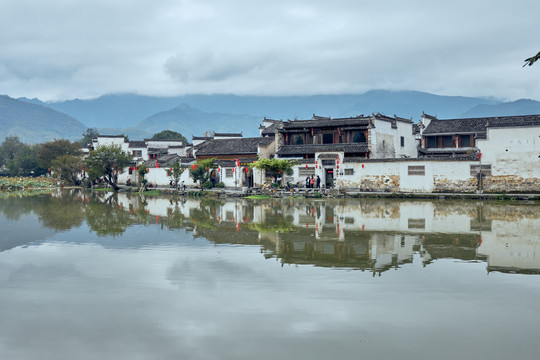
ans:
x=126 y=110
x=34 y=123
x=191 y=121
x=518 y=107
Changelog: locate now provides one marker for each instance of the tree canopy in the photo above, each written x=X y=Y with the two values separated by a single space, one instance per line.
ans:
x=107 y=161
x=52 y=150
x=200 y=172
x=170 y=135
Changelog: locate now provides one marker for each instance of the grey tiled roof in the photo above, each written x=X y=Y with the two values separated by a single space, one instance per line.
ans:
x=137 y=144
x=324 y=122
x=479 y=125
x=233 y=146
x=312 y=149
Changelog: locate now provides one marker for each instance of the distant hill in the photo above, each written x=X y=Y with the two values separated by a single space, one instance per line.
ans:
x=34 y=123
x=518 y=107
x=190 y=121
x=141 y=116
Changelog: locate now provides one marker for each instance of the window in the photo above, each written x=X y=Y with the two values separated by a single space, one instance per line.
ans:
x=417 y=170
x=486 y=170
x=328 y=138
x=431 y=142
x=297 y=140
x=303 y=172
x=228 y=173
x=465 y=141
x=416 y=223
x=349 y=171
x=402 y=141
x=359 y=137
x=447 y=141
x=136 y=153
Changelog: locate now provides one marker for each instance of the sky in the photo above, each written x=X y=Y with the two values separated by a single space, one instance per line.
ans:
x=66 y=49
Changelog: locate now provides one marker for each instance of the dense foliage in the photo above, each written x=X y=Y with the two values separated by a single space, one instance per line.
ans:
x=170 y=135
x=107 y=162
x=200 y=172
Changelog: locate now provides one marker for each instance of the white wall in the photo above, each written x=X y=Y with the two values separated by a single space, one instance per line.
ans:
x=512 y=151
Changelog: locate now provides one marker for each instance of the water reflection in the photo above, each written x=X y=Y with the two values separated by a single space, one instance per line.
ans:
x=370 y=234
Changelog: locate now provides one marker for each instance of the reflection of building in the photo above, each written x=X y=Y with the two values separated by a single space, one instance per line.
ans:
x=370 y=234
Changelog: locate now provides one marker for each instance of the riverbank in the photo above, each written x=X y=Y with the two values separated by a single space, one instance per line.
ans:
x=338 y=193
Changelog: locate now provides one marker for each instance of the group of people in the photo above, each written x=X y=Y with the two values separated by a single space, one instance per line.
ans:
x=313 y=182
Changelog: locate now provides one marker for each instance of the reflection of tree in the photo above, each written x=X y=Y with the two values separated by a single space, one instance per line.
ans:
x=60 y=213
x=108 y=218
x=14 y=207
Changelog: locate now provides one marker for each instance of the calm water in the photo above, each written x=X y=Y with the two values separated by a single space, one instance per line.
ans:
x=116 y=277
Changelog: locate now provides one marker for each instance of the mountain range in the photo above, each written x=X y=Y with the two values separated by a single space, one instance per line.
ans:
x=140 y=116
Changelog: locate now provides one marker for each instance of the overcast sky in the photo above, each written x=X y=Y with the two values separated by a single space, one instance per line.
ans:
x=64 y=49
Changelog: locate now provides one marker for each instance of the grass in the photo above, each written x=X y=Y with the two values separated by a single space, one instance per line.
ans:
x=258 y=197
x=152 y=193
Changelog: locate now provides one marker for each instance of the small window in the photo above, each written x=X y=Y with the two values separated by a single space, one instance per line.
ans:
x=417 y=170
x=466 y=141
x=297 y=139
x=431 y=142
x=359 y=137
x=447 y=141
x=328 y=138
x=228 y=173
x=402 y=141
x=416 y=223
x=349 y=171
x=486 y=170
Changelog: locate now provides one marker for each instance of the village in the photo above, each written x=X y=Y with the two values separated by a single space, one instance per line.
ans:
x=373 y=153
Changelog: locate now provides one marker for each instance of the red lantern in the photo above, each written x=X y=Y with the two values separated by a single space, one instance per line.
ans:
x=194 y=166
x=247 y=169
x=232 y=169
x=362 y=166
x=279 y=171
x=219 y=169
x=338 y=166
x=306 y=166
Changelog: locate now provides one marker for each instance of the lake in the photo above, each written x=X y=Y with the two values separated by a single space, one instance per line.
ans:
x=119 y=276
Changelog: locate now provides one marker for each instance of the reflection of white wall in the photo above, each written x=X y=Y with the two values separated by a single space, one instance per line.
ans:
x=512 y=244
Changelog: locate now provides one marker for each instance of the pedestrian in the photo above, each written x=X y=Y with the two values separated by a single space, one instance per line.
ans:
x=318 y=182
x=307 y=182
x=312 y=181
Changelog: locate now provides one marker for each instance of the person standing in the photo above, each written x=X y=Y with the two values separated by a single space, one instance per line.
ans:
x=318 y=182
x=307 y=182
x=312 y=181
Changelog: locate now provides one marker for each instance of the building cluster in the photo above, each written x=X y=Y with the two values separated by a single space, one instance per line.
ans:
x=372 y=153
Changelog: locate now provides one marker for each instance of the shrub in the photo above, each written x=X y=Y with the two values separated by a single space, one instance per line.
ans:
x=220 y=185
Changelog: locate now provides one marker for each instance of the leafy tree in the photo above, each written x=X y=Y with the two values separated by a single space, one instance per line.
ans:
x=200 y=172
x=276 y=165
x=49 y=151
x=19 y=159
x=143 y=169
x=91 y=133
x=532 y=60
x=10 y=148
x=66 y=168
x=170 y=135
x=175 y=172
x=107 y=161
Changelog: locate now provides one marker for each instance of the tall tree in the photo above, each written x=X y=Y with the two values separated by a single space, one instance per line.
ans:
x=108 y=162
x=175 y=172
x=91 y=133
x=67 y=168
x=200 y=171
x=51 y=150
x=170 y=135
x=10 y=148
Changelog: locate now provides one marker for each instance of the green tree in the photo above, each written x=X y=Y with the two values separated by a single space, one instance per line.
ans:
x=282 y=166
x=19 y=159
x=67 y=168
x=532 y=60
x=10 y=148
x=201 y=171
x=51 y=150
x=175 y=171
x=91 y=133
x=170 y=135
x=143 y=170
x=107 y=161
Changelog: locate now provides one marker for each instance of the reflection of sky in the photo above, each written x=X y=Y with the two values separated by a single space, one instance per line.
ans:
x=73 y=298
